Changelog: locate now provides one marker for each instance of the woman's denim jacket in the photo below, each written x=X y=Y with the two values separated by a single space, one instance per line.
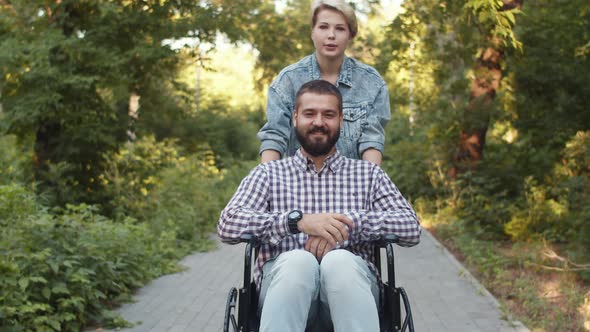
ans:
x=365 y=104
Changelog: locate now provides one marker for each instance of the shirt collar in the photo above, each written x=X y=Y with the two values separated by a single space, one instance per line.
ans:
x=333 y=162
x=344 y=77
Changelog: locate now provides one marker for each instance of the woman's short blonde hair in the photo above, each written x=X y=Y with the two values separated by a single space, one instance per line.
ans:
x=339 y=5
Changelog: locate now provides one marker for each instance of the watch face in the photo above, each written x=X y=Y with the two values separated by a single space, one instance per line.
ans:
x=294 y=214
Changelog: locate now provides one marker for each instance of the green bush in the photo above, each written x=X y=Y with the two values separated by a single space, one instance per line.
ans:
x=14 y=161
x=229 y=131
x=190 y=196
x=538 y=214
x=132 y=173
x=570 y=184
x=576 y=157
x=16 y=204
x=557 y=207
x=408 y=163
x=153 y=183
x=63 y=271
x=64 y=268
x=482 y=205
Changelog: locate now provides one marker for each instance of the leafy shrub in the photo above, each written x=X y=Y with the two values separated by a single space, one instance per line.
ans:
x=153 y=183
x=64 y=268
x=60 y=272
x=576 y=156
x=482 y=205
x=571 y=184
x=229 y=131
x=539 y=214
x=16 y=204
x=131 y=173
x=409 y=163
x=58 y=185
x=190 y=196
x=557 y=208
x=232 y=136
x=13 y=161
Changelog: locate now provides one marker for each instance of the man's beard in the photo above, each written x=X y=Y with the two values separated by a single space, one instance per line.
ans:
x=316 y=149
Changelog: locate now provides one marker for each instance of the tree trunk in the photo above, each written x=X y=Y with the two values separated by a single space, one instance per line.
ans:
x=49 y=131
x=488 y=73
x=133 y=114
x=46 y=141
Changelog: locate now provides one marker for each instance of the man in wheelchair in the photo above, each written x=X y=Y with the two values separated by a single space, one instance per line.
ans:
x=316 y=215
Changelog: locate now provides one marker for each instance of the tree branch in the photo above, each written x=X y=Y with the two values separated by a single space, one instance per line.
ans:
x=511 y=4
x=551 y=254
x=561 y=269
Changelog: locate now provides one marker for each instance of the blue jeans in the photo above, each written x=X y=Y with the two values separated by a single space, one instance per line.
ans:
x=297 y=293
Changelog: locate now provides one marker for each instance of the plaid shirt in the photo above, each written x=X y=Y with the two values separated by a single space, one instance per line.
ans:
x=358 y=189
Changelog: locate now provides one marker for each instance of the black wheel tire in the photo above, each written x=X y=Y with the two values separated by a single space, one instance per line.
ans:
x=230 y=307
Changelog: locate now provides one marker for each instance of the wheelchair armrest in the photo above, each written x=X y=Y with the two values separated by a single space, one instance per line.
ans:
x=386 y=239
x=251 y=251
x=247 y=299
x=386 y=242
x=251 y=239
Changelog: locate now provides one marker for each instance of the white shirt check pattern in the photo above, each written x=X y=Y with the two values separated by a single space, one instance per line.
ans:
x=355 y=188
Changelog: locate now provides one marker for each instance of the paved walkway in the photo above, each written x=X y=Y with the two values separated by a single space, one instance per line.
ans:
x=443 y=294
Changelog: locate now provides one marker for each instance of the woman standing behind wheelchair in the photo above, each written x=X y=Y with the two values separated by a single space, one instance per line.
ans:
x=364 y=92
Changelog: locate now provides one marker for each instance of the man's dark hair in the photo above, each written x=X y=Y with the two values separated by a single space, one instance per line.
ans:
x=319 y=87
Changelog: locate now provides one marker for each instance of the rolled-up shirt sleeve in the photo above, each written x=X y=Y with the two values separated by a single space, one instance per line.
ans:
x=247 y=212
x=373 y=134
x=275 y=134
x=390 y=213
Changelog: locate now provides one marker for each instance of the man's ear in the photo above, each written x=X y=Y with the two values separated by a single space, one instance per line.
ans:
x=295 y=114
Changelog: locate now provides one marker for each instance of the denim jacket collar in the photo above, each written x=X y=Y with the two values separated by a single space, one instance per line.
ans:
x=332 y=163
x=345 y=76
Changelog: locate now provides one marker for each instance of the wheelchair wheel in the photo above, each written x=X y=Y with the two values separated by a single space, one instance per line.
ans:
x=409 y=320
x=230 y=310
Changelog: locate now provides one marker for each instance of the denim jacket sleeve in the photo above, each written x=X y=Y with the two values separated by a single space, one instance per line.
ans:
x=275 y=134
x=373 y=134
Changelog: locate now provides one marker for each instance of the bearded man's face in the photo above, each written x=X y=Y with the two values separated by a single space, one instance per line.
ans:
x=317 y=123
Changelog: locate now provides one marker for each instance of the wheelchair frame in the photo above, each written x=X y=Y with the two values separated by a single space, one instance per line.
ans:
x=245 y=299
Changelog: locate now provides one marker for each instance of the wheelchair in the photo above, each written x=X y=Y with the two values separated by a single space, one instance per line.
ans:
x=241 y=308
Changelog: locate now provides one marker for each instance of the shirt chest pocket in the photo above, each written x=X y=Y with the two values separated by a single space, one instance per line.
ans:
x=355 y=117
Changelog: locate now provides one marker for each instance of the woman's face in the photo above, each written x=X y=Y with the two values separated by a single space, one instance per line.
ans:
x=330 y=34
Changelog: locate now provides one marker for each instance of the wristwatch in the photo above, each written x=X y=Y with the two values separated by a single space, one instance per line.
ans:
x=292 y=219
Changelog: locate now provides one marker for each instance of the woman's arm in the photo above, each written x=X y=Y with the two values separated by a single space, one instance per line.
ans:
x=372 y=138
x=274 y=135
x=269 y=155
x=373 y=155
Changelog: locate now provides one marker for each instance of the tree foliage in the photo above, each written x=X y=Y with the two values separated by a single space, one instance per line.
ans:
x=69 y=72
x=96 y=109
x=532 y=184
x=529 y=183
x=281 y=38
x=282 y=35
x=70 y=67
